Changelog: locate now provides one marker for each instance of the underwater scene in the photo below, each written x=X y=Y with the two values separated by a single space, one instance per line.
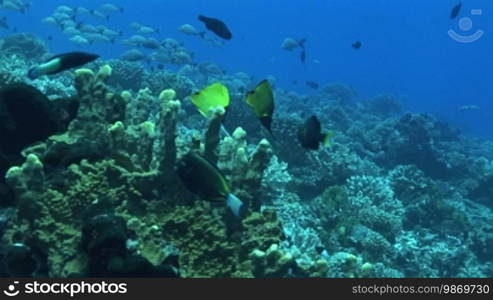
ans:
x=253 y=139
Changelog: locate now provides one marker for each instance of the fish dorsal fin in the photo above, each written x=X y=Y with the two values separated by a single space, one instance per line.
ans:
x=67 y=54
x=214 y=95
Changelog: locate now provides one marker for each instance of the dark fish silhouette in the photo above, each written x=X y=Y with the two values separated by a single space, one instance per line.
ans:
x=310 y=134
x=202 y=177
x=61 y=63
x=312 y=84
x=303 y=55
x=216 y=26
x=3 y=23
x=356 y=45
x=301 y=43
x=455 y=11
x=29 y=116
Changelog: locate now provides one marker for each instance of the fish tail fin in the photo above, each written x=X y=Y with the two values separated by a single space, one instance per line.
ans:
x=236 y=205
x=301 y=42
x=327 y=139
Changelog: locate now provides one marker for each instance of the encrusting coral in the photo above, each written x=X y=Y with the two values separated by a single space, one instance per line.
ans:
x=107 y=156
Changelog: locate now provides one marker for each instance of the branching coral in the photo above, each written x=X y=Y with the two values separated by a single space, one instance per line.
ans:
x=372 y=200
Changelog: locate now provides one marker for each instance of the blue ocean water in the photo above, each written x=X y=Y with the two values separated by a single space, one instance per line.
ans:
x=405 y=50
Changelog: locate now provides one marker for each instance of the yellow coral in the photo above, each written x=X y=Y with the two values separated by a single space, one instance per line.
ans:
x=144 y=93
x=148 y=127
x=109 y=96
x=117 y=127
x=172 y=106
x=126 y=95
x=83 y=72
x=241 y=155
x=33 y=162
x=264 y=143
x=105 y=71
x=13 y=172
x=167 y=95
x=239 y=133
x=366 y=269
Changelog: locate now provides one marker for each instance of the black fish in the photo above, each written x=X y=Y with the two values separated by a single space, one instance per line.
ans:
x=301 y=43
x=61 y=63
x=312 y=84
x=30 y=116
x=202 y=177
x=216 y=26
x=3 y=23
x=455 y=11
x=356 y=45
x=22 y=260
x=310 y=134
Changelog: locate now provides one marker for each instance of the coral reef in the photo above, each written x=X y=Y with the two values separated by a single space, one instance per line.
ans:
x=64 y=176
x=24 y=44
x=396 y=195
